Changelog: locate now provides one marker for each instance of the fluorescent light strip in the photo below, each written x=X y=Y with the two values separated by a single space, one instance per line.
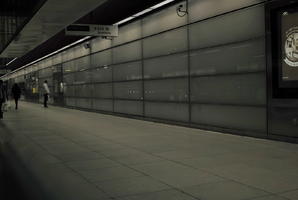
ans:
x=55 y=52
x=11 y=61
x=144 y=11
x=125 y=20
x=85 y=38
x=162 y=4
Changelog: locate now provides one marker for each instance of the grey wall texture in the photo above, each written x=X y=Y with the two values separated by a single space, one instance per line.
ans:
x=206 y=69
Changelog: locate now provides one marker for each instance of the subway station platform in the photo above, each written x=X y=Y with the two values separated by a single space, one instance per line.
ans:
x=71 y=154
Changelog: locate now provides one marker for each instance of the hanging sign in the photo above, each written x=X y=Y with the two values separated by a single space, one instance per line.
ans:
x=92 y=30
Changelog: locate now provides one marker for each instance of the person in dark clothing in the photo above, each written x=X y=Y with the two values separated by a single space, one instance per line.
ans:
x=16 y=93
x=3 y=97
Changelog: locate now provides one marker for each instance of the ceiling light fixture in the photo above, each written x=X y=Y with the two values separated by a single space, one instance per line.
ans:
x=144 y=11
x=88 y=37
x=11 y=61
x=53 y=53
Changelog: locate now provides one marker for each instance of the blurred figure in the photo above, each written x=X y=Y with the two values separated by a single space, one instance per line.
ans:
x=3 y=97
x=46 y=93
x=16 y=93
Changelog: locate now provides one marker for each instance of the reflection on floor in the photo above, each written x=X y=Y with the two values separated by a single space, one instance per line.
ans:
x=94 y=156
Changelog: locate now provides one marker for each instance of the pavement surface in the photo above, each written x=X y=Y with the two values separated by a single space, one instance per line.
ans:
x=109 y=157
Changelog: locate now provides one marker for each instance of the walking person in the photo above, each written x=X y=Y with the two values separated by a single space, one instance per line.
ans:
x=3 y=97
x=16 y=93
x=46 y=93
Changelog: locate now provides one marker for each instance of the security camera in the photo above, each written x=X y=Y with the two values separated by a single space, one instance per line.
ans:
x=180 y=11
x=87 y=45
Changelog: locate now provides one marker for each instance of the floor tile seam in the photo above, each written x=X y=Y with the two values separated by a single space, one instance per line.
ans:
x=155 y=155
x=280 y=194
x=81 y=176
x=163 y=125
x=90 y=182
x=84 y=178
x=94 y=134
x=71 y=170
x=113 y=159
x=163 y=158
x=55 y=134
x=225 y=178
x=64 y=162
x=170 y=187
x=264 y=196
x=150 y=123
x=160 y=181
x=113 y=179
x=146 y=193
x=153 y=178
x=146 y=175
x=69 y=126
x=68 y=139
x=183 y=164
x=134 y=164
x=110 y=140
x=100 y=168
x=157 y=191
x=41 y=147
x=286 y=198
x=132 y=147
x=256 y=198
x=288 y=191
x=91 y=159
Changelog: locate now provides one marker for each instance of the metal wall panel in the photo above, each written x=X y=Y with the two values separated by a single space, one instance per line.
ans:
x=99 y=44
x=162 y=21
x=128 y=107
x=202 y=9
x=168 y=111
x=233 y=27
x=127 y=52
x=103 y=105
x=210 y=72
x=128 y=71
x=232 y=117
x=102 y=74
x=242 y=57
x=84 y=103
x=128 y=90
x=166 y=43
x=243 y=89
x=167 y=66
x=102 y=58
x=102 y=91
x=128 y=33
x=167 y=90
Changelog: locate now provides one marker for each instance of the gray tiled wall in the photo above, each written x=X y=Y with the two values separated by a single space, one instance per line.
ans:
x=207 y=68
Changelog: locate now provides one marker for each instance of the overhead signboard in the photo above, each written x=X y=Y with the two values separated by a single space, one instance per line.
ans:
x=92 y=30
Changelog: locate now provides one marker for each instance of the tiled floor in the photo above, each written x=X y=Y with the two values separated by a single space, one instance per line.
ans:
x=105 y=157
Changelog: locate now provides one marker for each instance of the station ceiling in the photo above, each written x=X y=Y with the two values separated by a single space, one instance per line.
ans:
x=13 y=16
x=44 y=32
